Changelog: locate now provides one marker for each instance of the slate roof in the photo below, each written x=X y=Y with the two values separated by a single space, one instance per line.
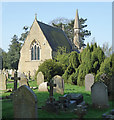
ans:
x=55 y=36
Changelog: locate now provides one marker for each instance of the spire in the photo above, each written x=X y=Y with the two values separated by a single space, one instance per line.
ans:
x=36 y=16
x=76 y=22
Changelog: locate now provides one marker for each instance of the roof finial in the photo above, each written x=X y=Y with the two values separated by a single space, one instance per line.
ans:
x=36 y=16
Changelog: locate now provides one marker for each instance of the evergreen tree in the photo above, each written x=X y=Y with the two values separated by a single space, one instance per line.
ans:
x=24 y=34
x=69 y=29
x=13 y=54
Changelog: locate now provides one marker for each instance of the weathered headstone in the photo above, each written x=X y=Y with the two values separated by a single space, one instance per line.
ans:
x=89 y=80
x=99 y=95
x=13 y=72
x=2 y=82
x=28 y=75
x=59 y=81
x=10 y=71
x=40 y=78
x=34 y=73
x=7 y=75
x=43 y=87
x=0 y=71
x=24 y=103
x=23 y=80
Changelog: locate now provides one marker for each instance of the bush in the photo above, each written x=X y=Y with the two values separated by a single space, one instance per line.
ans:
x=50 y=68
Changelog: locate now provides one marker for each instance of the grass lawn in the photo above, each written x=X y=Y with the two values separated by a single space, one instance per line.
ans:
x=7 y=107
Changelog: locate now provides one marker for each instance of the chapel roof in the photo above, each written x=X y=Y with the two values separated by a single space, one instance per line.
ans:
x=55 y=36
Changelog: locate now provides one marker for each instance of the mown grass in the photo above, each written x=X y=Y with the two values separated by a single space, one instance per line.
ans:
x=7 y=106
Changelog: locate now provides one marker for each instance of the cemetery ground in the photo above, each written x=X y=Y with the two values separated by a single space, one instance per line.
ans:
x=7 y=106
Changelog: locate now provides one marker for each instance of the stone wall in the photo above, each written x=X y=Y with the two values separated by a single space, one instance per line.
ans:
x=25 y=62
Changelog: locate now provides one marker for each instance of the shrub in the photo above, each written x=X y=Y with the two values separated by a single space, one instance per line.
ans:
x=50 y=68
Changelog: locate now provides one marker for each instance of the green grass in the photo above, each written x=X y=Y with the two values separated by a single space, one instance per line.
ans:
x=7 y=106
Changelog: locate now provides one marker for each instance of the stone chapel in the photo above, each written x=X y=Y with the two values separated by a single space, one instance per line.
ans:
x=41 y=43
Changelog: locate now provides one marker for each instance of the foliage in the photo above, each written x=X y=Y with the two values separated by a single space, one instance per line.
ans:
x=50 y=68
x=88 y=61
x=24 y=34
x=62 y=56
x=106 y=49
x=106 y=69
x=69 y=29
x=13 y=53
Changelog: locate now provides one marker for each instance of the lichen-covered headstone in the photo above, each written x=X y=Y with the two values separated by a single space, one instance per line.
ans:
x=25 y=103
x=40 y=78
x=59 y=81
x=99 y=95
x=23 y=80
x=2 y=82
x=43 y=87
x=89 y=80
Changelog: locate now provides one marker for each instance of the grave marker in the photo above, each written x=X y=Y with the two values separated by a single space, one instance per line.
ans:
x=23 y=80
x=99 y=95
x=25 y=103
x=89 y=80
x=59 y=81
x=40 y=78
x=2 y=82
x=43 y=87
x=15 y=78
x=51 y=84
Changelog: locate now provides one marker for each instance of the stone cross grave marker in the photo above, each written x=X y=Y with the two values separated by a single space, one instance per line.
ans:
x=15 y=78
x=99 y=95
x=51 y=84
x=59 y=81
x=89 y=80
x=40 y=78
x=23 y=80
x=25 y=103
x=2 y=82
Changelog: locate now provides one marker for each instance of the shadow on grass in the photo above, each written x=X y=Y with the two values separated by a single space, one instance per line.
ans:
x=7 y=106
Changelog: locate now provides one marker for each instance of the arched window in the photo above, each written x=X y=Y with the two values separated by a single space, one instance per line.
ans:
x=38 y=51
x=32 y=53
x=35 y=51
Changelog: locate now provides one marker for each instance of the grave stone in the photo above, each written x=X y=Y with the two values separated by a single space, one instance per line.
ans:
x=23 y=80
x=0 y=71
x=99 y=95
x=28 y=75
x=7 y=75
x=2 y=82
x=10 y=71
x=59 y=81
x=24 y=103
x=89 y=80
x=40 y=78
x=43 y=87
x=13 y=72
x=34 y=72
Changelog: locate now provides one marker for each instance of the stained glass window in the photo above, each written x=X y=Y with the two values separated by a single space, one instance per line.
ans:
x=35 y=52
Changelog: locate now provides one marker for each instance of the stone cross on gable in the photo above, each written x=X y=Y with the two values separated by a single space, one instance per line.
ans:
x=15 y=78
x=51 y=84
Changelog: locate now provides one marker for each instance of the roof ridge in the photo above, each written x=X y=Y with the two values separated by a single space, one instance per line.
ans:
x=49 y=25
